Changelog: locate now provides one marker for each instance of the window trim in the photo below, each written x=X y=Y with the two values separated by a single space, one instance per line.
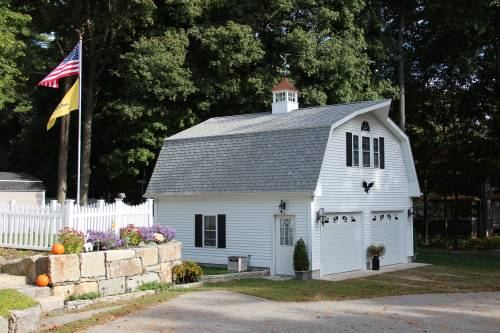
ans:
x=355 y=152
x=291 y=96
x=369 y=151
x=214 y=230
x=280 y=96
x=376 y=153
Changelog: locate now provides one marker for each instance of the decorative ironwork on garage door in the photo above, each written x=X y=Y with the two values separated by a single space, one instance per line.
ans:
x=341 y=218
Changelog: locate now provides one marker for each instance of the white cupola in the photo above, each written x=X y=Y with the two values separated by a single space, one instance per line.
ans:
x=285 y=97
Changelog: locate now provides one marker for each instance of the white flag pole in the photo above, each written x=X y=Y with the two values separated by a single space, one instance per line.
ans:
x=80 y=51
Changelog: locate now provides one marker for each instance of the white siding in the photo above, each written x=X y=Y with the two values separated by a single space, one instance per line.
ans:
x=249 y=223
x=341 y=189
x=23 y=197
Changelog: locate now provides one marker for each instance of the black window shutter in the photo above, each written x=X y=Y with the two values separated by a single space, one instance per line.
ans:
x=348 y=149
x=221 y=231
x=382 y=153
x=198 y=230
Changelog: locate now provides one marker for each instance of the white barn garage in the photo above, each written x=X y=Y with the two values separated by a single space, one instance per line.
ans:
x=221 y=185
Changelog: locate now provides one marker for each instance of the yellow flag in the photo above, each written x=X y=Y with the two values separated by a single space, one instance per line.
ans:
x=68 y=104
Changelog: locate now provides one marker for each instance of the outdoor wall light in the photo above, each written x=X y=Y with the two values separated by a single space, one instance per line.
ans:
x=282 y=206
x=321 y=216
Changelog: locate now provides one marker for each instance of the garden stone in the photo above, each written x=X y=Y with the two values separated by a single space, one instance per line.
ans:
x=86 y=287
x=92 y=264
x=170 y=251
x=4 y=325
x=149 y=255
x=112 y=286
x=64 y=268
x=25 y=321
x=166 y=272
x=155 y=268
x=63 y=291
x=128 y=267
x=113 y=255
x=134 y=282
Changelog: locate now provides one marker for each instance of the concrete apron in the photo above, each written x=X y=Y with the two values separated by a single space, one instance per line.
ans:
x=366 y=273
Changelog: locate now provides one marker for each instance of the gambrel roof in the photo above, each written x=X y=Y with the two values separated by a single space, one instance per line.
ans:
x=260 y=152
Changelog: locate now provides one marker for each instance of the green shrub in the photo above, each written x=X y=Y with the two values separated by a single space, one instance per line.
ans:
x=92 y=295
x=487 y=243
x=376 y=250
x=300 y=257
x=72 y=240
x=154 y=286
x=187 y=272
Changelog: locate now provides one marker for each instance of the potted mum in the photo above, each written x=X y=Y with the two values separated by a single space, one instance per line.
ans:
x=375 y=252
x=301 y=261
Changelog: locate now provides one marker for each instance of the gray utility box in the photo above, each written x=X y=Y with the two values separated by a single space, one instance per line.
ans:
x=237 y=264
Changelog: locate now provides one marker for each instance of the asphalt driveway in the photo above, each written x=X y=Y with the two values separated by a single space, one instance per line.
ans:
x=222 y=311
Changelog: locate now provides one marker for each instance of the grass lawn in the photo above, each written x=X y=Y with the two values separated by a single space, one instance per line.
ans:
x=213 y=270
x=11 y=299
x=452 y=271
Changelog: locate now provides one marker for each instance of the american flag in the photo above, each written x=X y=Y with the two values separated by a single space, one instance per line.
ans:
x=69 y=66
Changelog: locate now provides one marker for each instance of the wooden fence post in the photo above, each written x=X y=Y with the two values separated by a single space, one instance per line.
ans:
x=69 y=206
x=150 y=212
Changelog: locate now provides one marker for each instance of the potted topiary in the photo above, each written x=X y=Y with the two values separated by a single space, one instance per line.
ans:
x=375 y=252
x=301 y=261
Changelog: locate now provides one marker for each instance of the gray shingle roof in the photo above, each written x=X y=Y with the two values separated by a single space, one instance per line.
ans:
x=260 y=152
x=19 y=181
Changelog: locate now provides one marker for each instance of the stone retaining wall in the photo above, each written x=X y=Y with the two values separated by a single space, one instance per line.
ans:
x=112 y=272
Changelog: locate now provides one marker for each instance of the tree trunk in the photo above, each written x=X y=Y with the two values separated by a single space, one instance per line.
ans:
x=484 y=217
x=88 y=107
x=62 y=167
x=401 y=68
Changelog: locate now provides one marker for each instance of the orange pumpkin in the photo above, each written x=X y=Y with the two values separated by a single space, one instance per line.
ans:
x=58 y=248
x=42 y=280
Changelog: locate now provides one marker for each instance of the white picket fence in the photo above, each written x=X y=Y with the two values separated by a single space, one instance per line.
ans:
x=36 y=227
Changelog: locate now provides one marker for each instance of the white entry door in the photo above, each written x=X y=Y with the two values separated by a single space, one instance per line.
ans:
x=341 y=243
x=387 y=229
x=284 y=244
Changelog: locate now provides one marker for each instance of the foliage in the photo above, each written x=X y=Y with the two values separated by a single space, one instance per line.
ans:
x=11 y=299
x=187 y=272
x=91 y=295
x=473 y=243
x=72 y=240
x=376 y=250
x=300 y=257
x=131 y=235
x=13 y=29
x=103 y=240
x=154 y=285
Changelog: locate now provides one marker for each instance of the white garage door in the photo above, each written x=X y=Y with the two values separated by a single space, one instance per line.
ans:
x=341 y=243
x=387 y=229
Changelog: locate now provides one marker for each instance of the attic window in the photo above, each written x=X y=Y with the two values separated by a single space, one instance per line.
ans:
x=365 y=126
x=292 y=97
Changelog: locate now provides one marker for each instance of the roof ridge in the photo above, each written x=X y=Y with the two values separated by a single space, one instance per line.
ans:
x=248 y=133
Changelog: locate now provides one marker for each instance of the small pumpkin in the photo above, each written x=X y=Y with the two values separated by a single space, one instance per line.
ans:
x=42 y=280
x=58 y=248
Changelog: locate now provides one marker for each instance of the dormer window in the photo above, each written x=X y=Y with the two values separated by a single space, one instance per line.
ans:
x=365 y=126
x=292 y=97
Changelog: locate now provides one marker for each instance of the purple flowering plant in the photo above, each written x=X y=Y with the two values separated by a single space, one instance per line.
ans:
x=148 y=233
x=103 y=240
